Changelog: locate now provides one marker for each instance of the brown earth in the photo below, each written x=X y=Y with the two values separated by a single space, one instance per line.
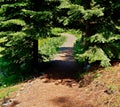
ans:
x=58 y=87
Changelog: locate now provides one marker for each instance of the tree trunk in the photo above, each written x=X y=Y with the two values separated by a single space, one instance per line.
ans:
x=35 y=55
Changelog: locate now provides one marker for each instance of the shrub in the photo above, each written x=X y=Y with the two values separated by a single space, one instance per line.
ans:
x=50 y=47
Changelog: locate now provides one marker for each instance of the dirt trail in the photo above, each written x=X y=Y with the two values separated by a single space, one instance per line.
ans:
x=57 y=87
x=40 y=94
x=63 y=64
x=66 y=50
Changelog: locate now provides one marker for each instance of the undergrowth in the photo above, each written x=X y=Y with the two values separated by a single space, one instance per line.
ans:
x=74 y=32
x=49 y=47
x=5 y=91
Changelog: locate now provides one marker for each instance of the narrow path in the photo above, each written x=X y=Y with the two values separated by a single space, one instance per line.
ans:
x=66 y=50
x=64 y=65
x=42 y=92
x=58 y=88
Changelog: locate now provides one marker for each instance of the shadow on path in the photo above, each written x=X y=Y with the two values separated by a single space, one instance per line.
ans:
x=63 y=65
x=62 y=70
x=65 y=101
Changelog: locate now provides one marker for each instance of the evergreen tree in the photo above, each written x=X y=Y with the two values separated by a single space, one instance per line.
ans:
x=99 y=21
x=22 y=23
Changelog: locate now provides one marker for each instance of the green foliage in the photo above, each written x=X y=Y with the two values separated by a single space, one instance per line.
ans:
x=22 y=24
x=5 y=91
x=99 y=23
x=50 y=47
x=57 y=31
x=92 y=54
x=9 y=80
x=14 y=22
x=77 y=33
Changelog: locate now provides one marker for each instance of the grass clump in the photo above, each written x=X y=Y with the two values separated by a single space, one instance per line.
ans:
x=57 y=31
x=5 y=91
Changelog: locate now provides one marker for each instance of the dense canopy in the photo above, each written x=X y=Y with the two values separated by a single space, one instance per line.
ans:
x=24 y=23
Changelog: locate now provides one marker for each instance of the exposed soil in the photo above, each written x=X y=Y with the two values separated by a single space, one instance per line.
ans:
x=60 y=87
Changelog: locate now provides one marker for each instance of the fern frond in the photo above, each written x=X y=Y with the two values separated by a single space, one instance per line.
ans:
x=105 y=37
x=13 y=22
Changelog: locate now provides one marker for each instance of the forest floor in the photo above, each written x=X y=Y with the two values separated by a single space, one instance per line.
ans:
x=59 y=85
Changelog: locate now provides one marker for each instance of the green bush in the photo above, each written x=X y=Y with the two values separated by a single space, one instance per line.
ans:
x=22 y=23
x=57 y=31
x=50 y=47
x=99 y=23
x=77 y=33
x=101 y=47
x=5 y=91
